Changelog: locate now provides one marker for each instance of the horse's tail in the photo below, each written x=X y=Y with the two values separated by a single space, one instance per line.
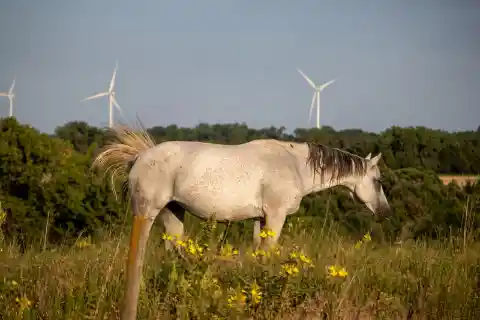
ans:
x=118 y=156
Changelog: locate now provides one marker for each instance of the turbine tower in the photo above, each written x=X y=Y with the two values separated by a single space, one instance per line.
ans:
x=316 y=96
x=10 y=95
x=111 y=97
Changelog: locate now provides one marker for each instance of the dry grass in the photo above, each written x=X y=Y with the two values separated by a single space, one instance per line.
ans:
x=413 y=280
x=461 y=180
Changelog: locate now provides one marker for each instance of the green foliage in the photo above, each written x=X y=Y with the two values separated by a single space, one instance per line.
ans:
x=46 y=185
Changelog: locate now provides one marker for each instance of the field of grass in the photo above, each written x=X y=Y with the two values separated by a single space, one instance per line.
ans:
x=314 y=274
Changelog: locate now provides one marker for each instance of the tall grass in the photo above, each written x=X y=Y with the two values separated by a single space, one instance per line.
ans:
x=410 y=280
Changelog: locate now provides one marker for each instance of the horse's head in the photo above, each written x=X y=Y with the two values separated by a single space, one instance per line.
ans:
x=368 y=188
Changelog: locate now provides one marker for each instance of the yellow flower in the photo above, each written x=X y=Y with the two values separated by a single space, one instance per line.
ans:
x=181 y=243
x=193 y=248
x=358 y=244
x=228 y=251
x=23 y=302
x=14 y=283
x=265 y=233
x=259 y=252
x=3 y=215
x=367 y=237
x=167 y=237
x=342 y=273
x=289 y=269
x=332 y=270
x=84 y=243
x=302 y=257
x=256 y=294
x=336 y=271
x=305 y=259
x=237 y=298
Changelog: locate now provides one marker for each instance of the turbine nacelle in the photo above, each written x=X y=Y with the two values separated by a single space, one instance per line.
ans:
x=111 y=97
x=316 y=95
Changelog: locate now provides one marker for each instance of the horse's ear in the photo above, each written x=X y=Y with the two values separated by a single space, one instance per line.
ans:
x=374 y=161
x=369 y=156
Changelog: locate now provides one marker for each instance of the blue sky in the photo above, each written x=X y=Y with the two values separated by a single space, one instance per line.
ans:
x=396 y=62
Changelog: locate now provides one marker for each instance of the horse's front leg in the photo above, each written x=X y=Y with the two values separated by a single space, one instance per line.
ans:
x=274 y=221
x=275 y=216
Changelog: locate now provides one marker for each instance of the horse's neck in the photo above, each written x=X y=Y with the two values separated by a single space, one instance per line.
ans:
x=314 y=182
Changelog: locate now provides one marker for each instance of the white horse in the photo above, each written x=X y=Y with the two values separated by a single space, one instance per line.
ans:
x=262 y=179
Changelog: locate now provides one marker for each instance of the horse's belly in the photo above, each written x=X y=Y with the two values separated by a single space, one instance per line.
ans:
x=225 y=204
x=223 y=213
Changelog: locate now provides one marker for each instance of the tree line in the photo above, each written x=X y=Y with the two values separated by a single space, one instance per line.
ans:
x=413 y=147
x=47 y=188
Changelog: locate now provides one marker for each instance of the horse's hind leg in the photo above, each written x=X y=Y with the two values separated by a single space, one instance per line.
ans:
x=144 y=216
x=258 y=225
x=172 y=217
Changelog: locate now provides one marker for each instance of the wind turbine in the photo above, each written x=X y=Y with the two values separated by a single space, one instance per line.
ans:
x=111 y=97
x=316 y=96
x=10 y=95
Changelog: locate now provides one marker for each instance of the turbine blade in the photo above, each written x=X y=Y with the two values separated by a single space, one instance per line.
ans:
x=307 y=78
x=323 y=86
x=311 y=107
x=3 y=94
x=115 y=103
x=98 y=95
x=13 y=86
x=112 y=82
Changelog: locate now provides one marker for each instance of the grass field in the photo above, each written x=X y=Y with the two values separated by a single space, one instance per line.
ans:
x=368 y=280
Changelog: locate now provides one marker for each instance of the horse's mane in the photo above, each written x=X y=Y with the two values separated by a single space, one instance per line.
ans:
x=338 y=163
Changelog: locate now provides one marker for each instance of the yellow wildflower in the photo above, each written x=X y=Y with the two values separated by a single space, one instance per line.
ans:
x=228 y=251
x=14 y=283
x=167 y=237
x=332 y=270
x=358 y=244
x=367 y=237
x=23 y=302
x=238 y=298
x=255 y=293
x=336 y=271
x=3 y=215
x=192 y=247
x=84 y=243
x=302 y=257
x=289 y=269
x=265 y=233
x=181 y=243
x=342 y=273
x=305 y=259
x=259 y=252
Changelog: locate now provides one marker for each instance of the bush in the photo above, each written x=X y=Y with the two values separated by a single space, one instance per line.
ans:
x=42 y=177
